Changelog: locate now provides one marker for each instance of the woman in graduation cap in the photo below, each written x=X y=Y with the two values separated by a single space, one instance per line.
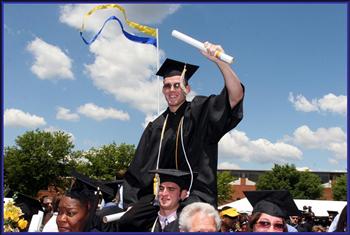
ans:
x=186 y=135
x=271 y=208
x=77 y=207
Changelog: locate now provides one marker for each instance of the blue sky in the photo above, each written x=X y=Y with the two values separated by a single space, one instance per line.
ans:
x=290 y=57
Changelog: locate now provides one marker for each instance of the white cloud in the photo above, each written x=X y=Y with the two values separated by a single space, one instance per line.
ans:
x=150 y=118
x=98 y=113
x=332 y=139
x=50 y=61
x=123 y=68
x=18 y=118
x=303 y=168
x=236 y=145
x=228 y=165
x=333 y=103
x=302 y=104
x=145 y=14
x=66 y=114
x=52 y=129
x=329 y=103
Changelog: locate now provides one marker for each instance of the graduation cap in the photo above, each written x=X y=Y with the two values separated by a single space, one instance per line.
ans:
x=114 y=185
x=173 y=67
x=277 y=203
x=332 y=213
x=181 y=178
x=231 y=212
x=87 y=187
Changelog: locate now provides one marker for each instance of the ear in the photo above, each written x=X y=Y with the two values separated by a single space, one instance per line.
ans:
x=183 y=194
x=187 y=89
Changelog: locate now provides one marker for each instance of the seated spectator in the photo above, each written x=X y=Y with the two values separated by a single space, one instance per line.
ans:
x=199 y=217
x=294 y=221
x=229 y=220
x=271 y=208
x=243 y=223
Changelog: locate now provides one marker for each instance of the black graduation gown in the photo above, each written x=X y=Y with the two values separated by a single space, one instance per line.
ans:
x=206 y=120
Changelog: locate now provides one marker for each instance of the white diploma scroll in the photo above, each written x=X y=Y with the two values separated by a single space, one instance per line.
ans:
x=113 y=217
x=193 y=42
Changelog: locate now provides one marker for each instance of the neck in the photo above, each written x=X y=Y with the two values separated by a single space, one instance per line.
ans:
x=173 y=109
x=165 y=212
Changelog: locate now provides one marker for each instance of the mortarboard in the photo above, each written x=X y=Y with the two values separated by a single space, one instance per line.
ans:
x=277 y=203
x=231 y=212
x=84 y=184
x=332 y=213
x=181 y=178
x=173 y=67
x=114 y=185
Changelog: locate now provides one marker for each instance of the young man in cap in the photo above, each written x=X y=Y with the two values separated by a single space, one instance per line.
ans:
x=271 y=209
x=172 y=190
x=161 y=216
x=186 y=135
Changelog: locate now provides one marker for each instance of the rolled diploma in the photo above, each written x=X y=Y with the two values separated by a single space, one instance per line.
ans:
x=199 y=45
x=113 y=217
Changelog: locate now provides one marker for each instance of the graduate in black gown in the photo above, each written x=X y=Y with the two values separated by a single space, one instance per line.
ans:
x=186 y=135
x=173 y=188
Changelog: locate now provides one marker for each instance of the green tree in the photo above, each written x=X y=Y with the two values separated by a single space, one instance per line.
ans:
x=37 y=159
x=305 y=185
x=281 y=177
x=340 y=188
x=105 y=162
x=225 y=190
x=308 y=187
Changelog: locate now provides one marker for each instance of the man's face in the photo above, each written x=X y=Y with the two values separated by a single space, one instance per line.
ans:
x=169 y=195
x=294 y=219
x=172 y=91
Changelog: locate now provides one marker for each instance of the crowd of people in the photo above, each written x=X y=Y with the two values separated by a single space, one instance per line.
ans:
x=83 y=206
x=171 y=184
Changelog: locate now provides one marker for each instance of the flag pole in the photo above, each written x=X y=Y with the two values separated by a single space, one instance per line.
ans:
x=158 y=82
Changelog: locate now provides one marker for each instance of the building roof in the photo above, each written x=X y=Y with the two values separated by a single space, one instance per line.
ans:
x=319 y=207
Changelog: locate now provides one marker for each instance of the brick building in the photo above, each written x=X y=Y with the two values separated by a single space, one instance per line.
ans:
x=246 y=181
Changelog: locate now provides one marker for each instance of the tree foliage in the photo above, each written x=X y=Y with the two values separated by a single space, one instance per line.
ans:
x=225 y=190
x=340 y=188
x=37 y=159
x=104 y=163
x=303 y=185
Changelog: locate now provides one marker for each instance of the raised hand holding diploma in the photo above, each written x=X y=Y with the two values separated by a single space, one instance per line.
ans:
x=219 y=53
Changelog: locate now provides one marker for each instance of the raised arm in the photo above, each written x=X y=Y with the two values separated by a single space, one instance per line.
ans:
x=232 y=82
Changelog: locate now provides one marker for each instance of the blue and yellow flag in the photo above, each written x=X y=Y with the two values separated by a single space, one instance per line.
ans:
x=142 y=28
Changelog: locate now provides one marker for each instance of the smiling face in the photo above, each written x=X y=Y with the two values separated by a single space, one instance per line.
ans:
x=72 y=215
x=173 y=93
x=169 y=196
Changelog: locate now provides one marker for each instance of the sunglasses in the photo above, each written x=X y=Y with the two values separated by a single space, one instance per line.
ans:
x=266 y=225
x=168 y=86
